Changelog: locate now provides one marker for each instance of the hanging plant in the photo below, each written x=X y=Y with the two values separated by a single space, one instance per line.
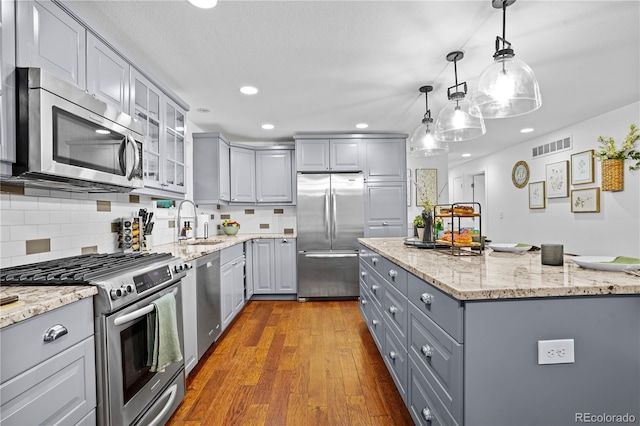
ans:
x=609 y=151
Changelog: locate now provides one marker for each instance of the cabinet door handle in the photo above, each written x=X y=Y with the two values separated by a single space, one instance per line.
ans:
x=375 y=322
x=363 y=274
x=54 y=332
x=393 y=355
x=374 y=260
x=393 y=273
x=363 y=302
x=374 y=287
x=426 y=298
x=427 y=350
x=393 y=309
x=385 y=223
x=284 y=240
x=427 y=414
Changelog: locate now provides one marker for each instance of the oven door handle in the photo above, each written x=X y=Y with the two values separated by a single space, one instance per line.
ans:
x=123 y=319
x=172 y=391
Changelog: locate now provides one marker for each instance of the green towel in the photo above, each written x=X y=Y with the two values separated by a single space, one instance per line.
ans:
x=625 y=260
x=163 y=343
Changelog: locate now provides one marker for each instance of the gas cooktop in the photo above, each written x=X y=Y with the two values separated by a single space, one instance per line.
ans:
x=77 y=270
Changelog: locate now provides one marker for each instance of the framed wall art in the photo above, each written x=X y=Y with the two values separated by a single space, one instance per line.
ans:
x=582 y=168
x=537 y=198
x=557 y=179
x=427 y=186
x=585 y=200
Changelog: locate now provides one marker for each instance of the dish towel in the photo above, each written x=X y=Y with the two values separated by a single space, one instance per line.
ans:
x=163 y=343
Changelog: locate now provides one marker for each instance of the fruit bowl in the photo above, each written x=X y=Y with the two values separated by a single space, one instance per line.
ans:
x=230 y=227
x=230 y=230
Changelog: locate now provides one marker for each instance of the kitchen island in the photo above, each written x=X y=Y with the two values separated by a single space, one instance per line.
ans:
x=501 y=339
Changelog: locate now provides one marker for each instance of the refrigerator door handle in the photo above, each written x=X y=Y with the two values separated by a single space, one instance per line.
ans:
x=334 y=222
x=330 y=255
x=326 y=213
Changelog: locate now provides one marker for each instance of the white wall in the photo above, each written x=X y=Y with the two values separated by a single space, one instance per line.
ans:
x=614 y=231
x=438 y=162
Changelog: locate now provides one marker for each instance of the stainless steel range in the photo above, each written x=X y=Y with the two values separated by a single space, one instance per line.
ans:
x=129 y=393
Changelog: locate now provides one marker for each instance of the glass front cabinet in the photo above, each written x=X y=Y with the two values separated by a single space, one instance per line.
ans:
x=164 y=151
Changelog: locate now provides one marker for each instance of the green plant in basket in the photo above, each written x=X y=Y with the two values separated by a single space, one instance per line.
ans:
x=609 y=151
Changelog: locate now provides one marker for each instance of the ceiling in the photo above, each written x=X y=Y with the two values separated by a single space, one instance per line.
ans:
x=324 y=66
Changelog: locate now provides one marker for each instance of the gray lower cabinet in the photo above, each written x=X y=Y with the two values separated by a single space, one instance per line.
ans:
x=475 y=362
x=232 y=262
x=273 y=267
x=49 y=382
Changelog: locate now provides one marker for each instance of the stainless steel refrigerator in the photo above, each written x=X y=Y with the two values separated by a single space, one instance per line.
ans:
x=330 y=219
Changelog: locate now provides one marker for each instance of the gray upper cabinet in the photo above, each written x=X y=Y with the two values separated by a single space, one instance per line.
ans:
x=174 y=147
x=321 y=155
x=145 y=106
x=385 y=160
x=50 y=39
x=243 y=175
x=107 y=74
x=274 y=177
x=7 y=87
x=211 y=183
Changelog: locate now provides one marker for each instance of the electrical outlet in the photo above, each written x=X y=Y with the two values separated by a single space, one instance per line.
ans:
x=556 y=351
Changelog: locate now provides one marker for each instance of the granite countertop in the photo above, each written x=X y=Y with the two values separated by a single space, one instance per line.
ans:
x=194 y=249
x=35 y=300
x=495 y=275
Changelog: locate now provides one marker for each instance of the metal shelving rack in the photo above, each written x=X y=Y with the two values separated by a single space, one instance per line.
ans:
x=460 y=249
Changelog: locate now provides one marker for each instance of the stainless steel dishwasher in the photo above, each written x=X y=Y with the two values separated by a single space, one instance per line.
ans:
x=208 y=293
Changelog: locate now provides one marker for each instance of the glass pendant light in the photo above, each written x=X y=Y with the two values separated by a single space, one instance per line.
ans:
x=507 y=87
x=422 y=142
x=204 y=4
x=456 y=122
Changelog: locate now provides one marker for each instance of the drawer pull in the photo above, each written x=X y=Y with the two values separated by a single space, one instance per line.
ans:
x=393 y=273
x=426 y=298
x=374 y=260
x=375 y=322
x=362 y=251
x=363 y=302
x=427 y=414
x=393 y=309
x=374 y=287
x=393 y=355
x=427 y=350
x=55 y=332
x=363 y=274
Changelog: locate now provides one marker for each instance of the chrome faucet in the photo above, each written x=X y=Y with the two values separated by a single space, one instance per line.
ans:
x=195 y=217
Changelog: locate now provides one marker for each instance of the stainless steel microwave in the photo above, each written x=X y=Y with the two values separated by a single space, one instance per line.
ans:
x=69 y=140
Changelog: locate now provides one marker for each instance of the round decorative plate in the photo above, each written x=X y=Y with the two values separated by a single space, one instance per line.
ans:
x=520 y=174
x=603 y=263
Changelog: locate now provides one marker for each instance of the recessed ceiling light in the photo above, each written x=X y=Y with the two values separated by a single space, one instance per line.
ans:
x=102 y=131
x=248 y=90
x=362 y=125
x=204 y=4
x=203 y=110
x=466 y=154
x=268 y=126
x=527 y=130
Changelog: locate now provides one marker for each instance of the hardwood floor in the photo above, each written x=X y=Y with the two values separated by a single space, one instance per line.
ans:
x=292 y=363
